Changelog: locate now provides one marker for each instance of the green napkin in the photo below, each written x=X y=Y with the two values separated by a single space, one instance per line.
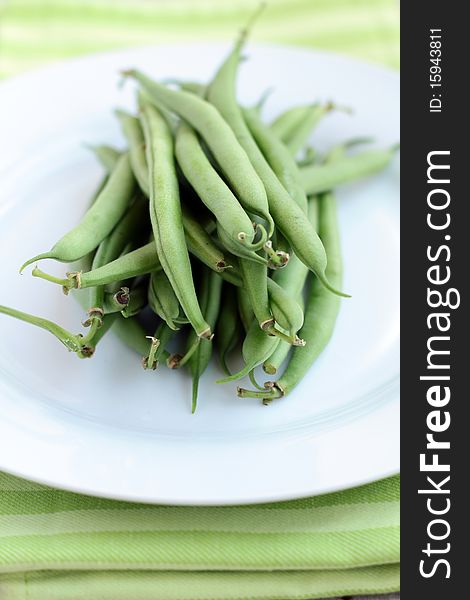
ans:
x=57 y=545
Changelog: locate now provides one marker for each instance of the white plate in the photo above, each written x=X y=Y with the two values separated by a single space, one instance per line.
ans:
x=107 y=428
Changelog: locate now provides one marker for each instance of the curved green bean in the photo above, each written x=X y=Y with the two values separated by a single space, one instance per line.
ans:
x=210 y=187
x=98 y=221
x=257 y=347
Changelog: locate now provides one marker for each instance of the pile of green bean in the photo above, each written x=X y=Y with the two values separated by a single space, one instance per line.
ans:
x=219 y=225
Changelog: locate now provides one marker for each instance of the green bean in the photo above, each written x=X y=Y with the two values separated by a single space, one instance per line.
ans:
x=255 y=278
x=166 y=217
x=73 y=342
x=98 y=221
x=257 y=347
x=289 y=217
x=286 y=311
x=244 y=308
x=321 y=178
x=198 y=241
x=141 y=261
x=201 y=244
x=211 y=188
x=229 y=328
x=131 y=332
x=292 y=279
x=285 y=124
x=220 y=139
x=163 y=301
x=299 y=136
x=278 y=157
x=135 y=138
x=199 y=89
x=320 y=315
x=107 y=155
x=107 y=322
x=120 y=239
x=339 y=150
x=309 y=158
x=210 y=293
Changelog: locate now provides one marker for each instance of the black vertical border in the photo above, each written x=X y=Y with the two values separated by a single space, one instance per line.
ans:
x=422 y=132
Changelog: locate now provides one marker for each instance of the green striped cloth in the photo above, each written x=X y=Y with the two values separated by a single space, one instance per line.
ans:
x=57 y=545
x=34 y=32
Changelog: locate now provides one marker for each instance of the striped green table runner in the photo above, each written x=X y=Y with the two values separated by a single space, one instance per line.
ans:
x=35 y=32
x=60 y=545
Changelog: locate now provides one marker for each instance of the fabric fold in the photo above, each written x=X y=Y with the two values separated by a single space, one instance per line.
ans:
x=60 y=545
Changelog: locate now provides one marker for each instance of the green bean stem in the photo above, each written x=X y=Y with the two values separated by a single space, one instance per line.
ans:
x=73 y=342
x=157 y=350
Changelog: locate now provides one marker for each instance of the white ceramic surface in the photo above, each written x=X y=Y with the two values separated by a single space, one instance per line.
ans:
x=106 y=427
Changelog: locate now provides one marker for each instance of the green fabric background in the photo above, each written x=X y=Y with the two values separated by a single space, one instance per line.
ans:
x=34 y=32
